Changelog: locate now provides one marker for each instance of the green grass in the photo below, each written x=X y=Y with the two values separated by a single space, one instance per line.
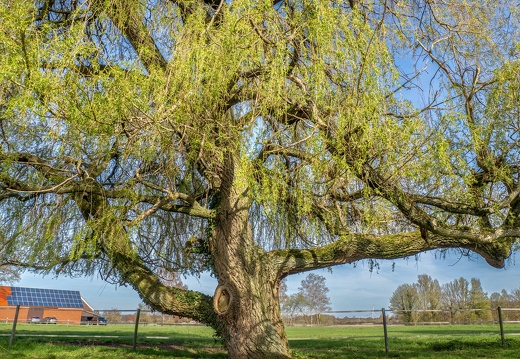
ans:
x=115 y=342
x=123 y=330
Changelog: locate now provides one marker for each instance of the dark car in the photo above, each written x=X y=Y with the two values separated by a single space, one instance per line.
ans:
x=49 y=320
x=102 y=321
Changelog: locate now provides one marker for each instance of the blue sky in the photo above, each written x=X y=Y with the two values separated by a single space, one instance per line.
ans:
x=351 y=287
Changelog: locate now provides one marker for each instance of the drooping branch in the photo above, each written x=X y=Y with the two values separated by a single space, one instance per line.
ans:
x=132 y=270
x=441 y=203
x=354 y=247
x=407 y=206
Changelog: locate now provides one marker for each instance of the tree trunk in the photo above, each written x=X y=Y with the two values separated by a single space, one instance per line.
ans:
x=253 y=327
x=247 y=302
x=246 y=299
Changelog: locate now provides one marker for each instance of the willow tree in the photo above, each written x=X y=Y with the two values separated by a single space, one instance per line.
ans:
x=254 y=139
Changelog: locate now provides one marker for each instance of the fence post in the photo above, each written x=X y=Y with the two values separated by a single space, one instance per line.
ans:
x=384 y=329
x=136 y=327
x=500 y=321
x=11 y=341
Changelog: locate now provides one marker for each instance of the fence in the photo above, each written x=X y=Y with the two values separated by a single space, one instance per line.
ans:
x=383 y=318
x=136 y=317
x=394 y=318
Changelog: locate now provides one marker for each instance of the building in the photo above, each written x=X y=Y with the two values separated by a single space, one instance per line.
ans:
x=67 y=306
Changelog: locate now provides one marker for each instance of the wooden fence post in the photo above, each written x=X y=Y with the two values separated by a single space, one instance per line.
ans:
x=136 y=327
x=500 y=321
x=13 y=331
x=384 y=329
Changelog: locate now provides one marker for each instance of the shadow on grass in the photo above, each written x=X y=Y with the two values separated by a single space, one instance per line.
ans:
x=339 y=348
x=488 y=344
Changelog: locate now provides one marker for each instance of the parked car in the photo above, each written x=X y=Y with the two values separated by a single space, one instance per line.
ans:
x=35 y=320
x=102 y=321
x=49 y=320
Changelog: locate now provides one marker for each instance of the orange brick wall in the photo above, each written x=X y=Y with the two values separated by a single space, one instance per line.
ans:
x=70 y=316
x=7 y=314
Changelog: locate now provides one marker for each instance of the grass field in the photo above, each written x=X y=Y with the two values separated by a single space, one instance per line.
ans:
x=115 y=342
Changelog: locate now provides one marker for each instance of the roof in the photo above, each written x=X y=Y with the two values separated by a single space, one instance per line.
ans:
x=38 y=297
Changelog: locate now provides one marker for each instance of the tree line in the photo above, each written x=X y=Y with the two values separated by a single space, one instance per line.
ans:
x=457 y=301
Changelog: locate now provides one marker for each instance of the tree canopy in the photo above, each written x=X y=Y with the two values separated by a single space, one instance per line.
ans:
x=255 y=140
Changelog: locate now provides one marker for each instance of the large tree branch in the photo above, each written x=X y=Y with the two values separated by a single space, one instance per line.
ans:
x=126 y=17
x=165 y=299
x=354 y=247
x=64 y=181
x=132 y=270
x=441 y=203
x=24 y=191
x=407 y=203
x=455 y=207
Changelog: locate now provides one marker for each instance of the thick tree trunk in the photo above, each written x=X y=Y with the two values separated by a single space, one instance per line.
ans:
x=246 y=299
x=253 y=327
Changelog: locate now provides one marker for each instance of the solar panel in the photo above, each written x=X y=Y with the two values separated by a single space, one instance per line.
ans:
x=45 y=297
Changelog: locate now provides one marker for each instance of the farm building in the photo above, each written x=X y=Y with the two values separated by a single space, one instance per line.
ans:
x=67 y=306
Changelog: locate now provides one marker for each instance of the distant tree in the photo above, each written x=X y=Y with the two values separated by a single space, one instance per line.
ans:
x=513 y=302
x=145 y=316
x=515 y=297
x=496 y=300
x=315 y=292
x=500 y=299
x=504 y=299
x=456 y=298
x=295 y=304
x=429 y=297
x=114 y=316
x=479 y=300
x=404 y=302
x=282 y=292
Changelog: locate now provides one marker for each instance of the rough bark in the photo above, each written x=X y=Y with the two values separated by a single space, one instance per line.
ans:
x=354 y=247
x=247 y=297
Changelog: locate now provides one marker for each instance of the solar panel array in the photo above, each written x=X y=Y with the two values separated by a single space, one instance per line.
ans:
x=37 y=297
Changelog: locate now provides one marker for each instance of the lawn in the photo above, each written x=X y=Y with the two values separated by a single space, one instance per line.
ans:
x=115 y=341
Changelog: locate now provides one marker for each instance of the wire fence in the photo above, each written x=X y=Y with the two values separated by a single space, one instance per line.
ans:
x=467 y=321
x=385 y=318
